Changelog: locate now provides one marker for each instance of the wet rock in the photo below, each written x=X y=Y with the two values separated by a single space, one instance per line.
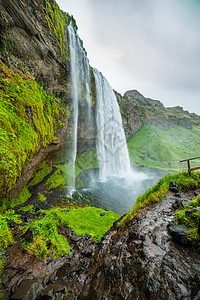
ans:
x=76 y=238
x=173 y=186
x=28 y=235
x=87 y=236
x=102 y=214
x=28 y=290
x=179 y=234
x=174 y=189
x=66 y=210
x=139 y=261
x=50 y=290
x=136 y=261
x=184 y=202
x=177 y=195
x=87 y=252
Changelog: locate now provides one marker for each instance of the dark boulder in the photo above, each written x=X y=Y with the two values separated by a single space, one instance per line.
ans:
x=102 y=214
x=179 y=234
x=184 y=202
x=173 y=186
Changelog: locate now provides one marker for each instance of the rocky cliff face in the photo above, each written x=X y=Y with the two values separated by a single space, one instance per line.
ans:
x=29 y=43
x=34 y=44
x=138 y=111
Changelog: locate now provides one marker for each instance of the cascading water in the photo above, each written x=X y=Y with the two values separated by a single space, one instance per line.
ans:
x=111 y=144
x=80 y=78
x=113 y=188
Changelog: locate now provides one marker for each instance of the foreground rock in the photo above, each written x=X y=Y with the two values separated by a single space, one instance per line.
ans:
x=138 y=261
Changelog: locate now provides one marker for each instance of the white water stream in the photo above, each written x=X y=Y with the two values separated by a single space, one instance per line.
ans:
x=111 y=144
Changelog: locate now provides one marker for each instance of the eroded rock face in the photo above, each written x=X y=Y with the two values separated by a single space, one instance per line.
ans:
x=31 y=45
x=138 y=111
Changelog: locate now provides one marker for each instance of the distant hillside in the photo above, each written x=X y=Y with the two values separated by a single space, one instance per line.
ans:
x=158 y=136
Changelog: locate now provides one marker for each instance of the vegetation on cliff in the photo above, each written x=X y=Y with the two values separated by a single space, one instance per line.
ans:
x=57 y=21
x=30 y=119
x=155 y=148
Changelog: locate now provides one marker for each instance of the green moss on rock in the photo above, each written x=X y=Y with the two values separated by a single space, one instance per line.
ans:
x=28 y=120
x=83 y=221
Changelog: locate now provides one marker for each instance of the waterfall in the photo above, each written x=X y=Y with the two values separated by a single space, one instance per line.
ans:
x=111 y=144
x=80 y=80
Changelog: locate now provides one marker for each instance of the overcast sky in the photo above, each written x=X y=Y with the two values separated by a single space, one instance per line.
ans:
x=152 y=46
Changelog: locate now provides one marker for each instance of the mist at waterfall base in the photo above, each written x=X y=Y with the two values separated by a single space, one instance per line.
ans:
x=114 y=185
x=118 y=194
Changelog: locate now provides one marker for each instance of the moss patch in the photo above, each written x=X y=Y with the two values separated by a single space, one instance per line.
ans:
x=41 y=197
x=28 y=119
x=43 y=170
x=87 y=160
x=83 y=221
x=190 y=221
x=57 y=21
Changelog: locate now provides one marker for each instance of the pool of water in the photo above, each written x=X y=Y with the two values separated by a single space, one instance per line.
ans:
x=118 y=194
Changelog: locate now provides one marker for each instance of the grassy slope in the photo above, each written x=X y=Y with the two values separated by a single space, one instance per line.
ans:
x=154 y=148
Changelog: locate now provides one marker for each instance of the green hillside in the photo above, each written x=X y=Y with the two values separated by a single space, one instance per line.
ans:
x=154 y=148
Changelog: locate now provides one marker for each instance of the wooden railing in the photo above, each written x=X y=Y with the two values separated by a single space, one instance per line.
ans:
x=188 y=162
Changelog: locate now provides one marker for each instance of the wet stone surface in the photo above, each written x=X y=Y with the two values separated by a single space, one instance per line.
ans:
x=138 y=261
